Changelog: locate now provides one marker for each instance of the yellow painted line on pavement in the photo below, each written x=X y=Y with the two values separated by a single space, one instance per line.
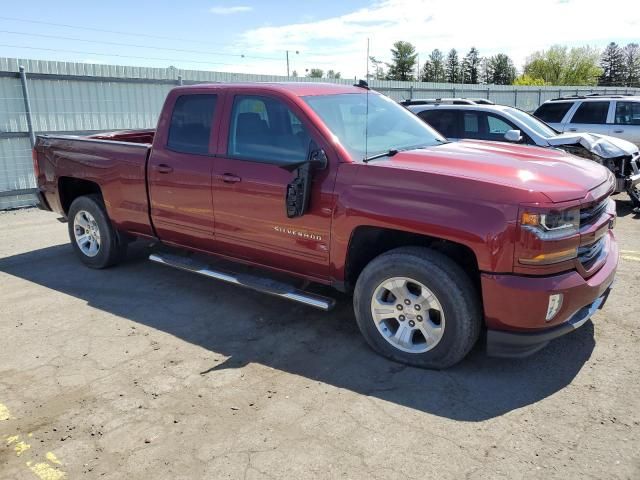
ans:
x=630 y=257
x=52 y=458
x=630 y=251
x=21 y=447
x=4 y=412
x=44 y=471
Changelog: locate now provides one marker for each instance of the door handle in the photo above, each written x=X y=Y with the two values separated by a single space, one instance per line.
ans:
x=164 y=168
x=618 y=131
x=230 y=178
x=573 y=129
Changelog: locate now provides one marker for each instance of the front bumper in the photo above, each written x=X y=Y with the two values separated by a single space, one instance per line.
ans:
x=521 y=344
x=515 y=306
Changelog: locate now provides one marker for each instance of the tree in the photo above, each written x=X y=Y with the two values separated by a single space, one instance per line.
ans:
x=452 y=67
x=561 y=66
x=315 y=73
x=500 y=70
x=471 y=66
x=632 y=65
x=333 y=74
x=403 y=61
x=378 y=69
x=613 y=66
x=433 y=70
x=525 y=79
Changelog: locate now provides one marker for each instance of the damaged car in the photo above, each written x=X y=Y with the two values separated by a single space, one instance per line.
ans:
x=507 y=124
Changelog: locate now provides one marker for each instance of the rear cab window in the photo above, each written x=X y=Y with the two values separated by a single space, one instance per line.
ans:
x=591 y=112
x=553 y=112
x=190 y=126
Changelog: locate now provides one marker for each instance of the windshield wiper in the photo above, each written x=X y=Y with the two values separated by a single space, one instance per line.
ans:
x=388 y=153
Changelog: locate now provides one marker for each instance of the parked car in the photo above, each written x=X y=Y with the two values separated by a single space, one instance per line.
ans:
x=615 y=115
x=446 y=101
x=507 y=124
x=341 y=186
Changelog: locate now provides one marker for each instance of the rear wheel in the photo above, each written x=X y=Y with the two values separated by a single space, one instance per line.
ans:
x=417 y=306
x=93 y=237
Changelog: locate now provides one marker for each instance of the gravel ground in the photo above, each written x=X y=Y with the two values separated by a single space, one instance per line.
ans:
x=144 y=372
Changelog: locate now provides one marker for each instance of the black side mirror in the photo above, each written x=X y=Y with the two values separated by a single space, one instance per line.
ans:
x=318 y=159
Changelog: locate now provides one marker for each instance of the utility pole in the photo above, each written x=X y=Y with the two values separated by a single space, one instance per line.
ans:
x=367 y=77
x=296 y=52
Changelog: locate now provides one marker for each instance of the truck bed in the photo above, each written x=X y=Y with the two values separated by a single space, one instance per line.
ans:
x=114 y=161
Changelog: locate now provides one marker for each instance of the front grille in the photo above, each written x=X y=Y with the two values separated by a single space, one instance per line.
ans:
x=589 y=254
x=590 y=214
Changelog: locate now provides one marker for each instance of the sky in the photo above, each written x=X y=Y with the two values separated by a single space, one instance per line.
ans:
x=250 y=36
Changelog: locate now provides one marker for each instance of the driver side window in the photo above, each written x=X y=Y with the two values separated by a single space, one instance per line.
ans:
x=265 y=130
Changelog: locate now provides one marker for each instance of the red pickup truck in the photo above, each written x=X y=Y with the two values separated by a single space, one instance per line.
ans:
x=293 y=184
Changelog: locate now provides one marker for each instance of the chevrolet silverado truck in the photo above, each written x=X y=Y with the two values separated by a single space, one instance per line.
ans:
x=292 y=185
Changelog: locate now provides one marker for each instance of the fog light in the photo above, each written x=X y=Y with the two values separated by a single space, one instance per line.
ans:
x=555 y=303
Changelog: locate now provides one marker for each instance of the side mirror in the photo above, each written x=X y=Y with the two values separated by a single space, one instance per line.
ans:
x=318 y=159
x=513 y=136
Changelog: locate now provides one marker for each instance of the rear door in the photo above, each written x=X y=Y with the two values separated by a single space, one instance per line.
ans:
x=590 y=117
x=262 y=133
x=180 y=171
x=626 y=121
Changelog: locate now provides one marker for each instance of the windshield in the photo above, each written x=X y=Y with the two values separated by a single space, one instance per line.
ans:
x=533 y=123
x=389 y=127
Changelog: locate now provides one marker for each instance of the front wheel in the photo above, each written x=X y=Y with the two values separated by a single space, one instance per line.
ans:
x=418 y=307
x=93 y=237
x=634 y=193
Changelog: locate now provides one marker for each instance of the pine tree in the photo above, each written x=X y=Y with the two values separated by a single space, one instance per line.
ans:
x=501 y=70
x=613 y=66
x=471 y=66
x=403 y=61
x=632 y=65
x=452 y=67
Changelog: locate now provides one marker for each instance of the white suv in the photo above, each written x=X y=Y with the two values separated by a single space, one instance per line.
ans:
x=615 y=115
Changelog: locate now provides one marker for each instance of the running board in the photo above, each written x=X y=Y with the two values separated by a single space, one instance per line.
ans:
x=254 y=282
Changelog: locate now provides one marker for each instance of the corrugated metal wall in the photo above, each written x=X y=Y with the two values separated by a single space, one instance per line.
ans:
x=78 y=97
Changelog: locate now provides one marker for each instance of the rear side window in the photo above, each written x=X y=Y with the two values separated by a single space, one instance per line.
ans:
x=627 y=113
x=591 y=112
x=191 y=121
x=553 y=112
x=444 y=121
x=265 y=130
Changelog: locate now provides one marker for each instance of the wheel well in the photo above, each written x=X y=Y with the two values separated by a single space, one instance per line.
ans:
x=71 y=188
x=368 y=242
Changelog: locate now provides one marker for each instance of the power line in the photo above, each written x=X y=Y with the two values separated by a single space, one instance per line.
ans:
x=140 y=46
x=161 y=37
x=116 y=55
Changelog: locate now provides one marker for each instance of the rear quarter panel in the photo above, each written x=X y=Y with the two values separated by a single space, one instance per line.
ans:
x=118 y=168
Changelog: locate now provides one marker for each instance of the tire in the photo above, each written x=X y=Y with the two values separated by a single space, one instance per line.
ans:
x=87 y=221
x=451 y=320
x=634 y=194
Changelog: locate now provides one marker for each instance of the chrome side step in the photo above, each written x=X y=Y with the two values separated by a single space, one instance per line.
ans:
x=254 y=282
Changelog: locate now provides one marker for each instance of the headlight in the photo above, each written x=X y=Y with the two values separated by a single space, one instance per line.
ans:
x=552 y=225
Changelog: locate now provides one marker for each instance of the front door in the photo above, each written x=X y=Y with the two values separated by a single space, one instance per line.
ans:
x=250 y=184
x=590 y=117
x=180 y=174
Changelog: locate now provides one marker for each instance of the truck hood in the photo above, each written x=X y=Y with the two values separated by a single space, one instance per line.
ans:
x=602 y=145
x=558 y=175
